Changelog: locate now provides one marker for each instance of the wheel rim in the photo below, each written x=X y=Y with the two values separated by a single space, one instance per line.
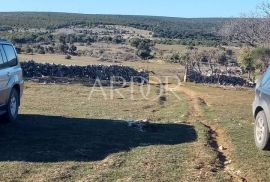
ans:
x=260 y=130
x=13 y=106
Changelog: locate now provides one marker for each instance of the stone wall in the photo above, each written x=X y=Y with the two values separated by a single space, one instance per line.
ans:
x=35 y=70
x=221 y=79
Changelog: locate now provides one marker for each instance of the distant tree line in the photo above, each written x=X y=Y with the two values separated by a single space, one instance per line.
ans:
x=49 y=38
x=211 y=42
x=172 y=28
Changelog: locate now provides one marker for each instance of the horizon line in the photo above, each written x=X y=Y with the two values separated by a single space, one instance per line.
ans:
x=107 y=14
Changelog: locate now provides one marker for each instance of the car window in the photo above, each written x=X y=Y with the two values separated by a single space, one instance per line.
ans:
x=1 y=60
x=10 y=55
x=266 y=77
x=3 y=54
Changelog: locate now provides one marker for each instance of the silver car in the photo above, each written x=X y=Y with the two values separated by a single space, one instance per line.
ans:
x=11 y=82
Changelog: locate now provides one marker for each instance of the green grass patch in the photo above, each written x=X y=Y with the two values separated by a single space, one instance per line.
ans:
x=61 y=135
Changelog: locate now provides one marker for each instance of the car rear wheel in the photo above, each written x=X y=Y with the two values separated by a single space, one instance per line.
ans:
x=12 y=107
x=261 y=131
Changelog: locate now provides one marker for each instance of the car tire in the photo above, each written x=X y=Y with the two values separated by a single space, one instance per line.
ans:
x=261 y=131
x=12 y=106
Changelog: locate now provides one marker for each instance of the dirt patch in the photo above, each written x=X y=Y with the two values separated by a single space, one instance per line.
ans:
x=216 y=137
x=195 y=111
x=202 y=102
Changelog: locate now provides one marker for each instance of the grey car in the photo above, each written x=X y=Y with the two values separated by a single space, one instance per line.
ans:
x=11 y=82
x=261 y=111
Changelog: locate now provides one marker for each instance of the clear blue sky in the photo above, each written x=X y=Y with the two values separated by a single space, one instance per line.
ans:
x=174 y=8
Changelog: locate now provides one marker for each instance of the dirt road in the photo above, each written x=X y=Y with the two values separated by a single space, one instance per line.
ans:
x=217 y=138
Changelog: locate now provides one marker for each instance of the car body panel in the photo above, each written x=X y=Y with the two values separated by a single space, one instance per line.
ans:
x=4 y=80
x=262 y=102
x=10 y=76
x=262 y=97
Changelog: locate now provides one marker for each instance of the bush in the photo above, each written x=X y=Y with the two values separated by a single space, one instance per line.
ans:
x=41 y=50
x=28 y=50
x=143 y=46
x=68 y=57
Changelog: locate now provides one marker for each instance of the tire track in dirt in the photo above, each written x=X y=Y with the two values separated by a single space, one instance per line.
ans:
x=217 y=139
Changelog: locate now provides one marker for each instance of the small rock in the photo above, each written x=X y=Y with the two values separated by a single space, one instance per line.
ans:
x=221 y=148
x=214 y=170
x=146 y=120
x=228 y=162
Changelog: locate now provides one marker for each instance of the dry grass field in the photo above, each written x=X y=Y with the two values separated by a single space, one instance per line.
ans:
x=65 y=135
x=162 y=130
x=71 y=132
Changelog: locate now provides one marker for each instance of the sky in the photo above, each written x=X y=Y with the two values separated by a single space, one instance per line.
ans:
x=172 y=8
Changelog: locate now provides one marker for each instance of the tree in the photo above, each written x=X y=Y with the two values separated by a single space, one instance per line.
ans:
x=250 y=30
x=212 y=57
x=72 y=49
x=262 y=56
x=247 y=62
x=28 y=50
x=143 y=46
x=196 y=57
x=175 y=58
x=117 y=39
x=41 y=50
x=62 y=39
x=63 y=48
x=50 y=49
x=186 y=59
x=222 y=59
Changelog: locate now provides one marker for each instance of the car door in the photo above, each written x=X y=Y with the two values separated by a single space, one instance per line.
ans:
x=4 y=77
x=264 y=90
x=10 y=69
x=11 y=58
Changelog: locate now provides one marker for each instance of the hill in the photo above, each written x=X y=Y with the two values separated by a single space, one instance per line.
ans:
x=164 y=27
